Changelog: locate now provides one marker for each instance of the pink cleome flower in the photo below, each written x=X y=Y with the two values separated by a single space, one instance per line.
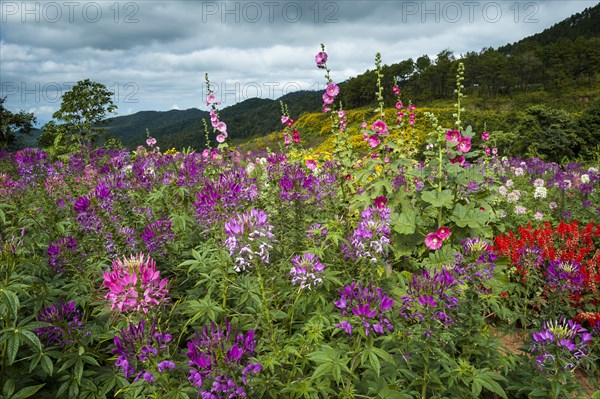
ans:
x=134 y=284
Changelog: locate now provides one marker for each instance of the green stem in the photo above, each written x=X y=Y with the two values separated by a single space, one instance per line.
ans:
x=264 y=299
x=293 y=309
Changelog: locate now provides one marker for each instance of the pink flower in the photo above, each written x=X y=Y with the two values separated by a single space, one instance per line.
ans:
x=464 y=144
x=134 y=284
x=380 y=127
x=211 y=99
x=459 y=159
x=221 y=127
x=380 y=202
x=488 y=151
x=396 y=90
x=485 y=136
x=374 y=141
x=326 y=109
x=411 y=121
x=341 y=114
x=453 y=136
x=286 y=140
x=284 y=119
x=221 y=137
x=321 y=59
x=363 y=125
x=332 y=90
x=399 y=105
x=327 y=99
x=494 y=151
x=151 y=141
x=433 y=241
x=443 y=232
x=311 y=164
x=296 y=136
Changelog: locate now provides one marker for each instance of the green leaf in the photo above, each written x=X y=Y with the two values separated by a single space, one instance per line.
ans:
x=322 y=370
x=27 y=392
x=438 y=199
x=12 y=347
x=32 y=339
x=465 y=216
x=407 y=222
x=8 y=388
x=47 y=365
x=78 y=371
x=12 y=299
x=374 y=362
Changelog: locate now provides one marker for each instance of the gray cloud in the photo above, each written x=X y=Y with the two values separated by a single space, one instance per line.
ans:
x=153 y=54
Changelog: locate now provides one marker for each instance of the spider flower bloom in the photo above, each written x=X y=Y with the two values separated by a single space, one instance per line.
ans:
x=305 y=270
x=66 y=325
x=370 y=239
x=564 y=276
x=249 y=238
x=219 y=361
x=367 y=304
x=559 y=345
x=138 y=348
x=134 y=284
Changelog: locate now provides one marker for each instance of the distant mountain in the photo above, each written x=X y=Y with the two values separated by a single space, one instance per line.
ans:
x=563 y=57
x=183 y=128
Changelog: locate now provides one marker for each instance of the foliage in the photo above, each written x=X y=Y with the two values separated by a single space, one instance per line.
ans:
x=12 y=125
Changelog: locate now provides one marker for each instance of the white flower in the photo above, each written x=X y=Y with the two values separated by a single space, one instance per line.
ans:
x=585 y=179
x=518 y=171
x=540 y=192
x=513 y=196
x=502 y=190
x=509 y=183
x=553 y=205
x=592 y=171
x=539 y=183
x=520 y=210
x=538 y=216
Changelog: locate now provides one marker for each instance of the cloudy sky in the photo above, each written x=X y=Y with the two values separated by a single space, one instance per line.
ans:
x=153 y=54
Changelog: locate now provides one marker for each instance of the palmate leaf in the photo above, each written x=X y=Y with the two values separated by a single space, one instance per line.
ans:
x=468 y=216
x=438 y=199
x=406 y=222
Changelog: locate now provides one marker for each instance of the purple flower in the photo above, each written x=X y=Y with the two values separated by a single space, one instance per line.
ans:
x=370 y=239
x=220 y=361
x=369 y=305
x=157 y=234
x=559 y=345
x=138 y=347
x=82 y=204
x=62 y=253
x=564 y=276
x=249 y=238
x=306 y=270
x=65 y=328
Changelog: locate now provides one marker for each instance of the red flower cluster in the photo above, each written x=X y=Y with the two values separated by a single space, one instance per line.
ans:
x=566 y=242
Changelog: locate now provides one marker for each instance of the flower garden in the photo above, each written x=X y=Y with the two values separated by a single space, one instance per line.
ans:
x=400 y=272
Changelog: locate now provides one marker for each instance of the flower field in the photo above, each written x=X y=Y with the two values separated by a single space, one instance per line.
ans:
x=292 y=274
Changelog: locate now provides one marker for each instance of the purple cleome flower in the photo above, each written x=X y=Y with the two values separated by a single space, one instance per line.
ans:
x=66 y=325
x=157 y=234
x=564 y=276
x=138 y=348
x=306 y=270
x=367 y=304
x=62 y=252
x=249 y=238
x=370 y=239
x=219 y=358
x=560 y=344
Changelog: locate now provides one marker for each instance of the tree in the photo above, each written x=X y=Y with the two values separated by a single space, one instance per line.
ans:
x=12 y=124
x=83 y=107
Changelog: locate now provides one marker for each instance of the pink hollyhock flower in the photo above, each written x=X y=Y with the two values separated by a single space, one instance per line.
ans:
x=453 y=136
x=396 y=90
x=321 y=59
x=341 y=114
x=151 y=141
x=374 y=141
x=327 y=99
x=494 y=151
x=332 y=90
x=311 y=164
x=296 y=136
x=211 y=99
x=221 y=127
x=464 y=144
x=363 y=125
x=284 y=119
x=485 y=136
x=380 y=202
x=459 y=159
x=286 y=140
x=399 y=105
x=433 y=241
x=326 y=109
x=221 y=137
x=488 y=151
x=443 y=232
x=134 y=284
x=380 y=127
x=411 y=121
